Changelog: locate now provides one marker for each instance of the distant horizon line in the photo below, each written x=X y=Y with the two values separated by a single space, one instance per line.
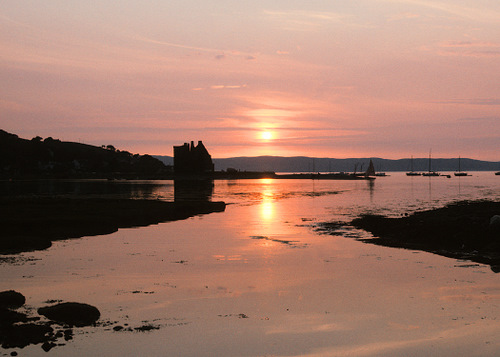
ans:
x=338 y=158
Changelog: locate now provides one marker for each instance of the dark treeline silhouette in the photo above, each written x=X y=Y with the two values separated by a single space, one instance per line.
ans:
x=52 y=158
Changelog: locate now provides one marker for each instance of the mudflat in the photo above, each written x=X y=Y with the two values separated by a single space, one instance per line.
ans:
x=32 y=223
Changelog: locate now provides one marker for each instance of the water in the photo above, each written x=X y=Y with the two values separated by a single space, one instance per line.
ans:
x=258 y=280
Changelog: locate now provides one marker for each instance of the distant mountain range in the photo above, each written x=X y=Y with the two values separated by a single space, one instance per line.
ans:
x=310 y=164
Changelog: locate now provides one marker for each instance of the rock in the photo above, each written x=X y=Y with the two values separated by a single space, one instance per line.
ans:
x=11 y=299
x=47 y=346
x=71 y=313
x=9 y=317
x=21 y=336
x=495 y=222
x=68 y=334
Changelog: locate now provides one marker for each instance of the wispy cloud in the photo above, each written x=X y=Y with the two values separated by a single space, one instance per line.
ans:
x=451 y=7
x=220 y=54
x=480 y=119
x=177 y=45
x=473 y=101
x=469 y=44
x=221 y=86
x=302 y=14
x=403 y=16
x=301 y=20
x=470 y=49
x=13 y=22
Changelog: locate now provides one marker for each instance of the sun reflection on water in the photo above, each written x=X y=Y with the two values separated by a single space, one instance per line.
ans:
x=267 y=210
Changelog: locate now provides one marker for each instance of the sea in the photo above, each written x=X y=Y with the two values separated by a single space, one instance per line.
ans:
x=260 y=279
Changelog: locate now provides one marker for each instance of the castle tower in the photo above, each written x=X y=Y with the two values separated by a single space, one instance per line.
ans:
x=191 y=159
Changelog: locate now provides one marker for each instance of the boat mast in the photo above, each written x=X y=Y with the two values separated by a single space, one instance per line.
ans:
x=429 y=160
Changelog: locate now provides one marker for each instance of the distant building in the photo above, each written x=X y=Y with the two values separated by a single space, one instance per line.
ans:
x=190 y=159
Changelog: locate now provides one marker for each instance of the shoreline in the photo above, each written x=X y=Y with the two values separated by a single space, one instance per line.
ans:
x=460 y=230
x=32 y=223
x=216 y=175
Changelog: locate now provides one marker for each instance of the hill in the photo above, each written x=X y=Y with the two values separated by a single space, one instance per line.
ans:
x=310 y=164
x=52 y=158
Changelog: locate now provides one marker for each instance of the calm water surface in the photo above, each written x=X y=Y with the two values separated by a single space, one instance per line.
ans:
x=257 y=280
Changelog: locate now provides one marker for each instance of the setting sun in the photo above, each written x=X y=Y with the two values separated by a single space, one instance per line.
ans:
x=266 y=135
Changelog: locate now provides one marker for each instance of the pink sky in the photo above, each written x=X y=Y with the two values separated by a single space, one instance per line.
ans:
x=387 y=78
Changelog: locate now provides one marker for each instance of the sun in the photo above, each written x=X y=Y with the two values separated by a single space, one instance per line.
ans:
x=266 y=135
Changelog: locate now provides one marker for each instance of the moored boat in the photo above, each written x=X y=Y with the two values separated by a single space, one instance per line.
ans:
x=411 y=172
x=371 y=169
x=430 y=172
x=460 y=172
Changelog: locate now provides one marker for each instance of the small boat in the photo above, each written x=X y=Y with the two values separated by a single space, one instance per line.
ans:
x=380 y=173
x=412 y=173
x=371 y=169
x=497 y=173
x=460 y=172
x=430 y=172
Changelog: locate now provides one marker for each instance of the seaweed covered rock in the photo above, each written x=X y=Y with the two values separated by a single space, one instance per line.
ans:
x=71 y=313
x=460 y=226
x=11 y=299
x=465 y=230
x=18 y=329
x=23 y=335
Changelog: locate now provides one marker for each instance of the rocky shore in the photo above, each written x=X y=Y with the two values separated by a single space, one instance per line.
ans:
x=32 y=223
x=19 y=329
x=466 y=230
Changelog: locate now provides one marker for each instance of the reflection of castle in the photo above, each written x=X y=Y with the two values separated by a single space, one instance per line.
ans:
x=190 y=159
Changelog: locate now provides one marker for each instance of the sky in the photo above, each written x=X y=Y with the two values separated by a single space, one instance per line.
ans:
x=337 y=78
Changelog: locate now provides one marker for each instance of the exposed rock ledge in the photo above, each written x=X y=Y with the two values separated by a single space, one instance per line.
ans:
x=463 y=230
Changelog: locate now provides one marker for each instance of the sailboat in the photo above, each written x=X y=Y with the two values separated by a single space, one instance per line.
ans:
x=430 y=172
x=371 y=169
x=412 y=173
x=460 y=172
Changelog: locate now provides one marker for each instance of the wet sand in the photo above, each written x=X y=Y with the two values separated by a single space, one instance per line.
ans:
x=32 y=223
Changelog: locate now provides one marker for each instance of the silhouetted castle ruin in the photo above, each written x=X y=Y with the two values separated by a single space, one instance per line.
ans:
x=190 y=159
